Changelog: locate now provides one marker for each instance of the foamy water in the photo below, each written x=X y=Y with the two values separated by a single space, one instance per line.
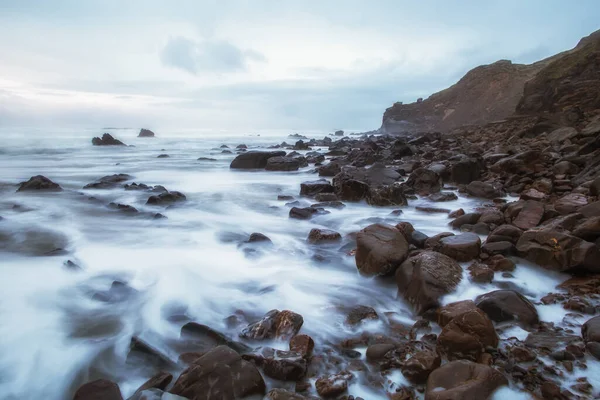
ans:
x=180 y=261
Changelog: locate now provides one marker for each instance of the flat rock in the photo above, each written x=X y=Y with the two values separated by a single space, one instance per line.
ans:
x=463 y=247
x=380 y=250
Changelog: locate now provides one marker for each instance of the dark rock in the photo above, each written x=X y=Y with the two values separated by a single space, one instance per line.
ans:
x=481 y=273
x=302 y=344
x=333 y=385
x=125 y=208
x=466 y=219
x=303 y=213
x=380 y=250
x=146 y=133
x=107 y=140
x=505 y=233
x=32 y=241
x=108 y=181
x=166 y=198
x=483 y=190
x=419 y=366
x=465 y=171
x=530 y=215
x=39 y=182
x=275 y=324
x=100 y=389
x=312 y=188
x=254 y=159
x=467 y=336
x=426 y=277
x=594 y=349
x=463 y=380
x=377 y=352
x=424 y=181
x=494 y=248
x=558 y=250
x=257 y=237
x=220 y=374
x=463 y=247
x=206 y=159
x=570 y=203
x=391 y=195
x=278 y=364
x=442 y=196
x=450 y=311
x=326 y=197
x=360 y=313
x=282 y=164
x=331 y=169
x=319 y=236
x=282 y=394
x=159 y=381
x=508 y=305
x=588 y=229
x=590 y=330
x=329 y=204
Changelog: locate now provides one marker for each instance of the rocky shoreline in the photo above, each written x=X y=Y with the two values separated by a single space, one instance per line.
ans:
x=454 y=351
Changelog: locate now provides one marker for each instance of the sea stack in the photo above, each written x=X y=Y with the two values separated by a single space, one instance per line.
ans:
x=146 y=133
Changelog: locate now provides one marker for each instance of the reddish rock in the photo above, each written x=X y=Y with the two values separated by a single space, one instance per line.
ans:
x=481 y=273
x=100 y=389
x=159 y=381
x=463 y=247
x=533 y=194
x=424 y=181
x=380 y=250
x=483 y=190
x=302 y=344
x=505 y=233
x=467 y=335
x=508 y=305
x=448 y=312
x=530 y=215
x=275 y=324
x=590 y=331
x=318 y=236
x=419 y=366
x=570 y=203
x=333 y=385
x=360 y=313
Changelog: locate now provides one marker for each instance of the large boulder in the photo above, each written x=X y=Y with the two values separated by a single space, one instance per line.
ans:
x=354 y=184
x=466 y=171
x=166 y=198
x=530 y=215
x=463 y=380
x=254 y=159
x=558 y=250
x=590 y=331
x=426 y=277
x=220 y=374
x=508 y=305
x=312 y=188
x=107 y=140
x=380 y=249
x=391 y=195
x=275 y=324
x=282 y=164
x=420 y=365
x=424 y=181
x=570 y=203
x=146 y=133
x=100 y=389
x=467 y=336
x=39 y=182
x=463 y=247
x=588 y=229
x=483 y=190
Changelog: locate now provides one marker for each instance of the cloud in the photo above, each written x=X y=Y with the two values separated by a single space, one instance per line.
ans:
x=207 y=55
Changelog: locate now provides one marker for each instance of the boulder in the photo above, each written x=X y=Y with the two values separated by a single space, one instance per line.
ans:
x=508 y=305
x=326 y=197
x=391 y=195
x=100 y=389
x=562 y=134
x=166 y=198
x=330 y=169
x=275 y=324
x=465 y=219
x=467 y=335
x=220 y=374
x=483 y=190
x=466 y=171
x=588 y=229
x=505 y=233
x=590 y=330
x=110 y=181
x=420 y=365
x=380 y=249
x=254 y=159
x=39 y=182
x=570 y=203
x=424 y=181
x=107 y=140
x=282 y=394
x=312 y=188
x=558 y=251
x=159 y=381
x=319 y=236
x=595 y=187
x=279 y=364
x=282 y=164
x=302 y=344
x=31 y=241
x=530 y=215
x=565 y=168
x=303 y=213
x=448 y=312
x=463 y=247
x=257 y=237
x=426 y=277
x=463 y=380
x=146 y=133
x=360 y=313
x=333 y=385
x=481 y=273
x=442 y=196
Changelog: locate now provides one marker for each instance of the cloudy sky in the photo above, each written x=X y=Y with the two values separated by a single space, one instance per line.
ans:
x=258 y=64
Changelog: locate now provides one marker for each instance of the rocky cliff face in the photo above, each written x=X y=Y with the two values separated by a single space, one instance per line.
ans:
x=558 y=84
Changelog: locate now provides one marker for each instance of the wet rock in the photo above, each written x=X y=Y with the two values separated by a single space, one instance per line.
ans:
x=591 y=210
x=32 y=241
x=203 y=338
x=419 y=366
x=206 y=159
x=426 y=277
x=359 y=314
x=275 y=324
x=330 y=169
x=166 y=198
x=143 y=186
x=505 y=233
x=380 y=250
x=146 y=133
x=533 y=194
x=163 y=156
x=463 y=380
x=278 y=364
x=257 y=237
x=465 y=219
x=450 y=311
x=558 y=250
x=282 y=164
x=432 y=210
x=159 y=381
x=254 y=159
x=463 y=247
x=326 y=197
x=590 y=330
x=349 y=189
x=466 y=171
x=107 y=140
x=220 y=374
x=329 y=204
x=588 y=229
x=39 y=182
x=282 y=394
x=442 y=196
x=319 y=236
x=100 y=389
x=467 y=335
x=508 y=305
x=570 y=203
x=483 y=190
x=424 y=181
x=561 y=134
x=108 y=182
x=303 y=213
x=498 y=248
x=530 y=215
x=481 y=273
x=125 y=208
x=302 y=344
x=594 y=349
x=391 y=195
x=333 y=385
x=377 y=352
x=312 y=188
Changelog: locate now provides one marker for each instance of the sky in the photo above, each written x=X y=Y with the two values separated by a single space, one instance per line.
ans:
x=258 y=64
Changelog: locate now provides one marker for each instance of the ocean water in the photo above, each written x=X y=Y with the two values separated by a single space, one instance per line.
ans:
x=54 y=335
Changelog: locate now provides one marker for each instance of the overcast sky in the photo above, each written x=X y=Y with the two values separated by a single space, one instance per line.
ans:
x=258 y=64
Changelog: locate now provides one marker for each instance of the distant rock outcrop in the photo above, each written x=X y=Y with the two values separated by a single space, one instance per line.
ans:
x=567 y=83
x=107 y=140
x=146 y=133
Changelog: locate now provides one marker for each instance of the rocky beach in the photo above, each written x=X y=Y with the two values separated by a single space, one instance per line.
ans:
x=453 y=253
